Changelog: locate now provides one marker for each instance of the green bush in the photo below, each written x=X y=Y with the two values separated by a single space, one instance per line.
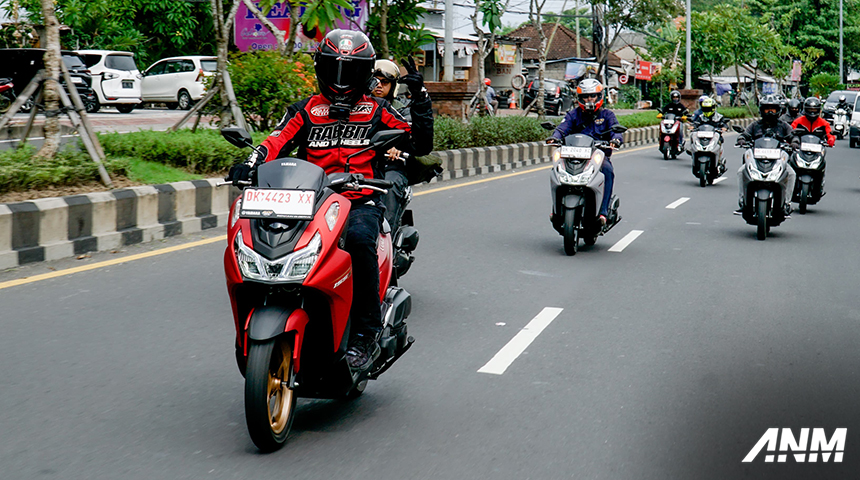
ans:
x=204 y=151
x=450 y=134
x=822 y=84
x=20 y=170
x=265 y=85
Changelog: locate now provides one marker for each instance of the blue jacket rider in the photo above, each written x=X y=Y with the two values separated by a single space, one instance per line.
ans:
x=589 y=119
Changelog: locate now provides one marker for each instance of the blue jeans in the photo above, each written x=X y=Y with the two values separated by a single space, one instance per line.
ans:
x=608 y=172
x=362 y=233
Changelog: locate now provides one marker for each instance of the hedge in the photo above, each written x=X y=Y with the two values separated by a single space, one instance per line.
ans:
x=20 y=170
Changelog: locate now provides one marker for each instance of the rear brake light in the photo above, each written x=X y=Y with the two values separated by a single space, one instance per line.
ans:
x=530 y=84
x=199 y=75
x=557 y=91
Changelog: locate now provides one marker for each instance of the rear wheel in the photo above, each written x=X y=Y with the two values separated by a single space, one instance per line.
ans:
x=5 y=103
x=761 y=216
x=703 y=175
x=269 y=402
x=125 y=108
x=804 y=197
x=666 y=154
x=571 y=234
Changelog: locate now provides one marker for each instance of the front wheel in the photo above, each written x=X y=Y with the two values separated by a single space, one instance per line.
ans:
x=269 y=402
x=703 y=175
x=185 y=100
x=804 y=197
x=571 y=233
x=761 y=214
x=666 y=153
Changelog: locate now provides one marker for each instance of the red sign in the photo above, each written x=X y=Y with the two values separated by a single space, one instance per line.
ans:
x=623 y=79
x=643 y=70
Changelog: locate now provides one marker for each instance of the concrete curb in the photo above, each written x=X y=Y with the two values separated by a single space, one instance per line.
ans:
x=53 y=228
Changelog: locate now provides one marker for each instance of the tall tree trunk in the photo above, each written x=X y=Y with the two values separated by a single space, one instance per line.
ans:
x=383 y=27
x=295 y=8
x=223 y=24
x=535 y=7
x=51 y=85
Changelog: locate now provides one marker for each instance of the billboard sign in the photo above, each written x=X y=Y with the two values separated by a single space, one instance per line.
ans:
x=250 y=34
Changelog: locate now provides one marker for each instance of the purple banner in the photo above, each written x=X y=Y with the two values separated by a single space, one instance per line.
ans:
x=250 y=34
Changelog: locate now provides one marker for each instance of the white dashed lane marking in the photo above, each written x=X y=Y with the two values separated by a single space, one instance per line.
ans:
x=506 y=356
x=677 y=203
x=627 y=240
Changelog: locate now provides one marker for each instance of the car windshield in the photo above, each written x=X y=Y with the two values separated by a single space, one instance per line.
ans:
x=834 y=97
x=121 y=62
x=73 y=61
x=209 y=65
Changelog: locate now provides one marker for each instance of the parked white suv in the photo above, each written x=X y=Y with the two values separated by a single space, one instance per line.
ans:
x=116 y=81
x=177 y=81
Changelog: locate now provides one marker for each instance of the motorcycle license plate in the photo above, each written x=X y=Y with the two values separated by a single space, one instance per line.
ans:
x=576 y=152
x=811 y=147
x=278 y=204
x=767 y=153
x=705 y=134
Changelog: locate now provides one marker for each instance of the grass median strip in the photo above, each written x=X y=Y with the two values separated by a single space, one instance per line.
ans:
x=107 y=263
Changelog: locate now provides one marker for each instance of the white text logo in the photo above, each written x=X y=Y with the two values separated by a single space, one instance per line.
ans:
x=835 y=446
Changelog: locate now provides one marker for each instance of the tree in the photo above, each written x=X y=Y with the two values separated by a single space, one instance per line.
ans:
x=621 y=15
x=535 y=8
x=51 y=87
x=491 y=11
x=585 y=26
x=400 y=17
x=223 y=26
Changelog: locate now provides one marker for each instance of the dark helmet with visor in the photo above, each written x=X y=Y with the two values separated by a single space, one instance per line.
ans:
x=793 y=107
x=675 y=96
x=769 y=108
x=344 y=65
x=812 y=109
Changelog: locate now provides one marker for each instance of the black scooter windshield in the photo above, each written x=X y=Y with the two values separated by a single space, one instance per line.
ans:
x=291 y=173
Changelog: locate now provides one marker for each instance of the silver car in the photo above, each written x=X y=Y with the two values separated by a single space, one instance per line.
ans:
x=177 y=81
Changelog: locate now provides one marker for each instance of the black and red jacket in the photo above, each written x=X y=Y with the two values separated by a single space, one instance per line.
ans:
x=802 y=121
x=326 y=142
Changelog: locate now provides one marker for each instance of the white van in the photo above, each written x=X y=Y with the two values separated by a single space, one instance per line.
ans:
x=116 y=80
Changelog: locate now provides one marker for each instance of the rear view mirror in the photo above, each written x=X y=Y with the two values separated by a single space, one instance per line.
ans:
x=617 y=128
x=737 y=129
x=385 y=139
x=237 y=137
x=548 y=125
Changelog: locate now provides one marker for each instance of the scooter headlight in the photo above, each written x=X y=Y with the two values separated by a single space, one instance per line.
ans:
x=289 y=268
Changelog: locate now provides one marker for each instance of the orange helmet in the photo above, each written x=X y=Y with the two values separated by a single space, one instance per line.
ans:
x=487 y=82
x=589 y=95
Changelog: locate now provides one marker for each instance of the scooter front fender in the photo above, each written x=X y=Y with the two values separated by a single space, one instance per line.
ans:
x=806 y=178
x=268 y=322
x=572 y=201
x=764 y=194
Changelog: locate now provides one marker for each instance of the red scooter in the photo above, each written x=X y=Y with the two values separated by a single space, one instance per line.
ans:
x=7 y=94
x=290 y=286
x=670 y=135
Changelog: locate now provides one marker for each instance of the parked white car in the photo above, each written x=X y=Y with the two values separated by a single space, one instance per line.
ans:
x=116 y=80
x=177 y=81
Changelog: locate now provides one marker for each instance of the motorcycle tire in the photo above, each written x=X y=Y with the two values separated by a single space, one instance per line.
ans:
x=571 y=233
x=357 y=390
x=703 y=175
x=761 y=217
x=269 y=404
x=804 y=197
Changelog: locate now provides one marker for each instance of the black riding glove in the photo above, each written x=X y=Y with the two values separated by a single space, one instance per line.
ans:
x=553 y=141
x=413 y=80
x=239 y=172
x=615 y=142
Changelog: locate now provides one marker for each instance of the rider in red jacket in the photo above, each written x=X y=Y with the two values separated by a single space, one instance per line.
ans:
x=328 y=127
x=811 y=119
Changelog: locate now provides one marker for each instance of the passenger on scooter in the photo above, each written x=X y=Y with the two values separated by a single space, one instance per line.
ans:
x=589 y=119
x=387 y=73
x=697 y=115
x=792 y=111
x=770 y=125
x=678 y=109
x=326 y=128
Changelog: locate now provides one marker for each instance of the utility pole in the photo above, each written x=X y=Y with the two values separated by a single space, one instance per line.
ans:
x=841 y=65
x=448 y=64
x=688 y=80
x=578 y=48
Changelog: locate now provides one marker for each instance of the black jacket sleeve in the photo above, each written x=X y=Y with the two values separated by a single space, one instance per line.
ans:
x=422 y=126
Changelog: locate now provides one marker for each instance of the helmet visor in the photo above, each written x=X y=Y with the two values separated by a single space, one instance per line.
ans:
x=343 y=73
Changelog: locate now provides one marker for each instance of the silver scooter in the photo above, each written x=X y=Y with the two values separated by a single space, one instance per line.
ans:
x=764 y=171
x=706 y=147
x=576 y=187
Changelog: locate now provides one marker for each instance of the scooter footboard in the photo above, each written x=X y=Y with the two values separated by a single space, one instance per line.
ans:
x=270 y=321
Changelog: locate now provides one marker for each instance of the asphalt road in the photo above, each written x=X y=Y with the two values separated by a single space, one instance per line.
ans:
x=668 y=359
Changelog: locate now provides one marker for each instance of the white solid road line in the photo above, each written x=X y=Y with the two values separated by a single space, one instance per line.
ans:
x=506 y=356
x=627 y=240
x=677 y=203
x=719 y=180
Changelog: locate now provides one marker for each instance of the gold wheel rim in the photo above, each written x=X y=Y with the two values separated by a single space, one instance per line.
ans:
x=278 y=396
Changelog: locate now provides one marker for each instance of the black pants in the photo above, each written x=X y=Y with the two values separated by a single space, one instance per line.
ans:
x=393 y=200
x=362 y=233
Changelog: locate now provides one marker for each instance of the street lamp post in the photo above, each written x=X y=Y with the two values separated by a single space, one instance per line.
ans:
x=448 y=63
x=841 y=66
x=688 y=81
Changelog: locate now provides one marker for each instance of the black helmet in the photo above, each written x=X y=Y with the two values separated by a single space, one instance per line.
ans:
x=344 y=66
x=794 y=107
x=812 y=108
x=675 y=96
x=769 y=108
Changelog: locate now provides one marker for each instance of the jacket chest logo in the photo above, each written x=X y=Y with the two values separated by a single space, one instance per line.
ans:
x=598 y=121
x=351 y=135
